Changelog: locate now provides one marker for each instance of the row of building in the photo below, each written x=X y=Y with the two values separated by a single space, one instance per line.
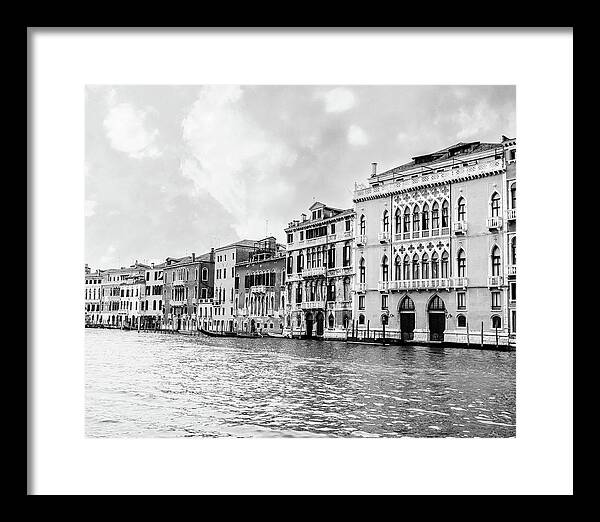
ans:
x=427 y=253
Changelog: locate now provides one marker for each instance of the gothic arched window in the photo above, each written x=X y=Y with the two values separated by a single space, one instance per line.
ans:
x=461 y=213
x=495 y=204
x=362 y=270
x=384 y=269
x=496 y=264
x=385 y=222
x=462 y=263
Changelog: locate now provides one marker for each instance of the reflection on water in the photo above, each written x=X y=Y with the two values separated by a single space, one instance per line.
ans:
x=153 y=385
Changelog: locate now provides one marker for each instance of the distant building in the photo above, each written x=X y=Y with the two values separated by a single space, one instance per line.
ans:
x=132 y=289
x=436 y=246
x=320 y=272
x=259 y=288
x=112 y=312
x=226 y=257
x=152 y=300
x=93 y=286
x=188 y=291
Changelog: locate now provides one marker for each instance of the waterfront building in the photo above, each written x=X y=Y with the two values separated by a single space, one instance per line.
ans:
x=320 y=272
x=132 y=290
x=188 y=291
x=93 y=286
x=152 y=300
x=226 y=257
x=259 y=288
x=112 y=314
x=436 y=246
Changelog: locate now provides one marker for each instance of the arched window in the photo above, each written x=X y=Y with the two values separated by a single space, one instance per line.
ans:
x=361 y=319
x=415 y=267
x=495 y=204
x=331 y=292
x=385 y=269
x=397 y=268
x=435 y=216
x=425 y=266
x=398 y=222
x=436 y=304
x=346 y=321
x=416 y=219
x=300 y=262
x=461 y=213
x=445 y=214
x=406 y=266
x=299 y=321
x=346 y=288
x=425 y=217
x=496 y=321
x=331 y=321
x=406 y=220
x=362 y=225
x=444 y=264
x=513 y=251
x=496 y=265
x=513 y=195
x=384 y=319
x=385 y=222
x=461 y=321
x=205 y=274
x=362 y=270
x=407 y=304
x=462 y=263
x=435 y=265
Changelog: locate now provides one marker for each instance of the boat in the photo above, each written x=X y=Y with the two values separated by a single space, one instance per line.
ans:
x=217 y=334
x=278 y=335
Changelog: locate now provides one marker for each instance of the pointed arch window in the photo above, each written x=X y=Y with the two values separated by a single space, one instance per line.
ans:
x=513 y=251
x=362 y=225
x=407 y=304
x=415 y=267
x=406 y=220
x=330 y=320
x=513 y=195
x=436 y=304
x=425 y=266
x=406 y=267
x=397 y=268
x=445 y=214
x=346 y=288
x=495 y=204
x=385 y=269
x=496 y=264
x=435 y=216
x=425 y=217
x=416 y=226
x=435 y=266
x=362 y=270
x=444 y=265
x=462 y=263
x=461 y=213
x=397 y=222
x=385 y=222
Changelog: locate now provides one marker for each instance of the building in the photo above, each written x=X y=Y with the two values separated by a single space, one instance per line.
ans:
x=112 y=313
x=226 y=257
x=320 y=272
x=188 y=291
x=259 y=289
x=436 y=246
x=132 y=289
x=93 y=286
x=152 y=300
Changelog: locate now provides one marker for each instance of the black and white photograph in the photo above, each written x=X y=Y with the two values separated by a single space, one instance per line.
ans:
x=302 y=278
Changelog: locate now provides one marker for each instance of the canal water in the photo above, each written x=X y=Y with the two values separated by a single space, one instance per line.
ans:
x=157 y=385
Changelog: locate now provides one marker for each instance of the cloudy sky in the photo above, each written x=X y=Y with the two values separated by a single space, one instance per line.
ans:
x=172 y=170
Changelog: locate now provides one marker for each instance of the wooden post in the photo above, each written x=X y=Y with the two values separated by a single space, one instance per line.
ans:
x=353 y=328
x=383 y=333
x=496 y=337
x=468 y=346
x=368 y=324
x=482 y=334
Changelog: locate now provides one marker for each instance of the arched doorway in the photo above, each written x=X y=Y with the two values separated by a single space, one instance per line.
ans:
x=309 y=324
x=320 y=323
x=437 y=318
x=252 y=326
x=407 y=318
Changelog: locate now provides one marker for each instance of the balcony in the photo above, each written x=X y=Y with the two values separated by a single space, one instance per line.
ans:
x=292 y=278
x=421 y=284
x=261 y=289
x=314 y=272
x=459 y=282
x=512 y=270
x=361 y=240
x=178 y=302
x=494 y=281
x=340 y=271
x=494 y=223
x=347 y=233
x=459 y=227
x=383 y=286
x=384 y=237
x=311 y=305
x=360 y=288
x=178 y=282
x=511 y=214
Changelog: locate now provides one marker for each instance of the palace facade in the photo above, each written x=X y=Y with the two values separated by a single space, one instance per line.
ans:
x=260 y=289
x=320 y=273
x=435 y=246
x=93 y=287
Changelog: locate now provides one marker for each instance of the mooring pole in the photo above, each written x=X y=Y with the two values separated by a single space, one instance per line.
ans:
x=482 y=334
x=383 y=333
x=496 y=337
x=468 y=346
x=368 y=324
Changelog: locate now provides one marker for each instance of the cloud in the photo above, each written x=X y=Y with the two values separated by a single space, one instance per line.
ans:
x=109 y=256
x=126 y=130
x=339 y=99
x=90 y=207
x=475 y=121
x=233 y=159
x=357 y=136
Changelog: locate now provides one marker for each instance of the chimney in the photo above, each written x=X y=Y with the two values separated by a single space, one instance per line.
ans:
x=152 y=264
x=212 y=254
x=303 y=217
x=373 y=169
x=193 y=256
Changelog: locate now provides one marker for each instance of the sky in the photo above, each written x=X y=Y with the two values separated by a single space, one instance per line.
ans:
x=171 y=170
